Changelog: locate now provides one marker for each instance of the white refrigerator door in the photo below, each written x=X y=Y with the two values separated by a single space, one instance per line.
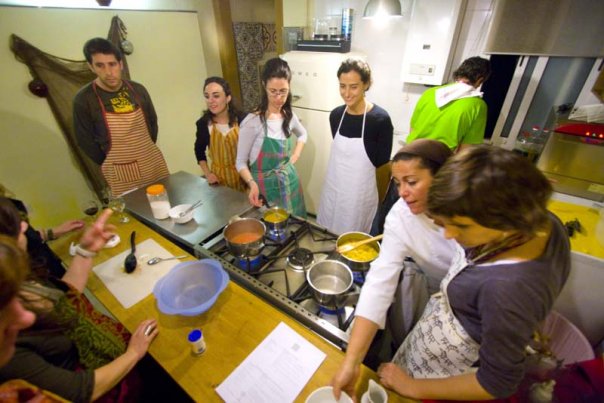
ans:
x=312 y=165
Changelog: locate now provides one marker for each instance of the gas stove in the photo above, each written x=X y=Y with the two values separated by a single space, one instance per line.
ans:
x=278 y=274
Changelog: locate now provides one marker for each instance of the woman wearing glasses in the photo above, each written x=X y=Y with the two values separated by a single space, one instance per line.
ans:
x=265 y=153
x=217 y=135
x=362 y=142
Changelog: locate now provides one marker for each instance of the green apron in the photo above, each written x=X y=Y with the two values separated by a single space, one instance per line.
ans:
x=277 y=177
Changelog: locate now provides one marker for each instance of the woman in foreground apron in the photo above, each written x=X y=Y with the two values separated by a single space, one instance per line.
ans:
x=217 y=135
x=409 y=232
x=266 y=154
x=470 y=342
x=362 y=142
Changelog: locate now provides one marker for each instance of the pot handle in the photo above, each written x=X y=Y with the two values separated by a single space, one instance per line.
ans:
x=352 y=297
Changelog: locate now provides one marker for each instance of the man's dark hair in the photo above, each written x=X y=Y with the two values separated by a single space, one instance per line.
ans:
x=473 y=69
x=101 y=45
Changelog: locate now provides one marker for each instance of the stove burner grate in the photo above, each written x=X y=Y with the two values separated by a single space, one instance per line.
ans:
x=250 y=264
x=300 y=259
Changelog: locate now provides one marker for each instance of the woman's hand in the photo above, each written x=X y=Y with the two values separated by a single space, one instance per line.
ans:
x=345 y=379
x=212 y=179
x=395 y=378
x=294 y=158
x=254 y=194
x=142 y=337
x=67 y=226
x=97 y=235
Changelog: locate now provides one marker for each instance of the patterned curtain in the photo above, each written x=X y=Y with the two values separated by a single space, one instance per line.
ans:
x=59 y=80
x=253 y=42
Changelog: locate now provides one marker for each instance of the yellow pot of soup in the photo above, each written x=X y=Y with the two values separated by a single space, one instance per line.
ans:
x=359 y=258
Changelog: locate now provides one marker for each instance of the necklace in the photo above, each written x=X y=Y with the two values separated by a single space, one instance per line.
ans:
x=482 y=253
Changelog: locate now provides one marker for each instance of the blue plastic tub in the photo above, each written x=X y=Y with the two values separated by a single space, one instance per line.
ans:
x=190 y=288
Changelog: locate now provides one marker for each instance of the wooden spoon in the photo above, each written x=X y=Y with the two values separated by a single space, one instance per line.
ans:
x=353 y=245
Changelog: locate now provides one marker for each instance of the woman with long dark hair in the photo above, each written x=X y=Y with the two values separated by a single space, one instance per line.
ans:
x=218 y=134
x=265 y=154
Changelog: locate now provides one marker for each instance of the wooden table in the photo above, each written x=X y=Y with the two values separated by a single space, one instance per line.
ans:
x=232 y=328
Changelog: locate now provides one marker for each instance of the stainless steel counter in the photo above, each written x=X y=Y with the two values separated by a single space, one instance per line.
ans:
x=220 y=203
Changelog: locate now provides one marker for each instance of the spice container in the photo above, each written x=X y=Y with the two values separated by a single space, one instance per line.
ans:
x=158 y=199
x=198 y=344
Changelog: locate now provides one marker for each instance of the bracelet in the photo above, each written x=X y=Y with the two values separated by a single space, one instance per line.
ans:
x=79 y=250
x=50 y=235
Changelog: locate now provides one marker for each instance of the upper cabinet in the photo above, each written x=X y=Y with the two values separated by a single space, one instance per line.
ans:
x=572 y=28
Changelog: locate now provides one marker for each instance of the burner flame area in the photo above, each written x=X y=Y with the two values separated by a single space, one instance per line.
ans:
x=300 y=259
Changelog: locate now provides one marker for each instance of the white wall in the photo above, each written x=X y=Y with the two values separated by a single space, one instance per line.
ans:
x=35 y=161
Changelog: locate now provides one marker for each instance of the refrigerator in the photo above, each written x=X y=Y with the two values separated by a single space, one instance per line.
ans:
x=315 y=93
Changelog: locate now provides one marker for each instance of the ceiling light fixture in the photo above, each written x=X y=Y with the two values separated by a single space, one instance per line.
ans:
x=383 y=8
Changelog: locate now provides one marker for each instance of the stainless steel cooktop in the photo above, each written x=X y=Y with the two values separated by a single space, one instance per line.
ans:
x=278 y=274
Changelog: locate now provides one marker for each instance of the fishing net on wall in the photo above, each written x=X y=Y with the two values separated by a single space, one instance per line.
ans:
x=58 y=80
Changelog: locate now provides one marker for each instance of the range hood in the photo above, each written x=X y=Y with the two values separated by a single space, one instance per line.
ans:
x=547 y=28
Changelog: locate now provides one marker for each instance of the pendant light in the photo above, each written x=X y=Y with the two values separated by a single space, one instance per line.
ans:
x=383 y=8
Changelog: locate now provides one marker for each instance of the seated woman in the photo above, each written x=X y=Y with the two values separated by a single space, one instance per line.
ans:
x=14 y=318
x=470 y=342
x=218 y=135
x=69 y=336
x=409 y=233
x=40 y=254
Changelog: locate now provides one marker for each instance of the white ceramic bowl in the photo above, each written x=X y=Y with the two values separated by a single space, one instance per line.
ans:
x=325 y=395
x=176 y=210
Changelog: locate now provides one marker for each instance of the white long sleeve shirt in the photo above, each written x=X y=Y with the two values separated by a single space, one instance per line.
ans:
x=405 y=235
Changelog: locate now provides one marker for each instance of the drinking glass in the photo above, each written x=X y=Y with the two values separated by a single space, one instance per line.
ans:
x=118 y=204
x=90 y=208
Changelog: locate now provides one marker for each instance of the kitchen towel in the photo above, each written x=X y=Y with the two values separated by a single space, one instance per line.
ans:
x=131 y=288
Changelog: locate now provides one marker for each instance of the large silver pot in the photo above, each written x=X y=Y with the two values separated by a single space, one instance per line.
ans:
x=357 y=264
x=244 y=237
x=329 y=280
x=276 y=219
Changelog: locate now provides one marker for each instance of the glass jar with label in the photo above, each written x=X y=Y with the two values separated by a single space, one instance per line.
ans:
x=159 y=201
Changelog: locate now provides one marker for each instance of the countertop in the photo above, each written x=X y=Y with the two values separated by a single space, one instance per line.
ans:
x=232 y=328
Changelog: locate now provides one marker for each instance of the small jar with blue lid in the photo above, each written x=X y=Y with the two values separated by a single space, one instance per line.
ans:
x=198 y=344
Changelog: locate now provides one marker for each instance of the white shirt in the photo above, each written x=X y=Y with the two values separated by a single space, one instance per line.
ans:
x=405 y=235
x=251 y=137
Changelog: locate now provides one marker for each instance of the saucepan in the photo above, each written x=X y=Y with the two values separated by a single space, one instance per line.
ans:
x=276 y=219
x=358 y=259
x=244 y=236
x=330 y=281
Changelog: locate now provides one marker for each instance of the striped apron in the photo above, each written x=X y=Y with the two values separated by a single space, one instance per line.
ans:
x=277 y=177
x=223 y=153
x=133 y=159
x=439 y=346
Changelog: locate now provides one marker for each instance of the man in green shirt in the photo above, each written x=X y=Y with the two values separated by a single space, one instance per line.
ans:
x=454 y=114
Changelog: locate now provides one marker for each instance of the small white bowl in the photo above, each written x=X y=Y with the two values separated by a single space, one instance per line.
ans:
x=176 y=210
x=325 y=395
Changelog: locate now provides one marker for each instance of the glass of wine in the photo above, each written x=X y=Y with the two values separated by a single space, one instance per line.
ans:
x=118 y=204
x=90 y=208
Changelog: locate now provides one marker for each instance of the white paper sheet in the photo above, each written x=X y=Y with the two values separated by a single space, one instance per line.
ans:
x=276 y=371
x=133 y=287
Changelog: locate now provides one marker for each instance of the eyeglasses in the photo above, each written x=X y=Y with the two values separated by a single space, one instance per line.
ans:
x=277 y=93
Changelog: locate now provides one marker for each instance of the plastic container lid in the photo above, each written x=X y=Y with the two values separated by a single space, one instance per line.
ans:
x=156 y=189
x=195 y=335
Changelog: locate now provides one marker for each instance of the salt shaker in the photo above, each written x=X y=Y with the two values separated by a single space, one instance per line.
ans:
x=158 y=199
x=198 y=344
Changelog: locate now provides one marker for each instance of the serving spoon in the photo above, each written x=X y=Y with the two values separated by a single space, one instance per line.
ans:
x=130 y=262
x=353 y=245
x=156 y=260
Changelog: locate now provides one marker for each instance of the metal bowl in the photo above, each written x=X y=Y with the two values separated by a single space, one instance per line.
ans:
x=329 y=281
x=245 y=237
x=356 y=264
